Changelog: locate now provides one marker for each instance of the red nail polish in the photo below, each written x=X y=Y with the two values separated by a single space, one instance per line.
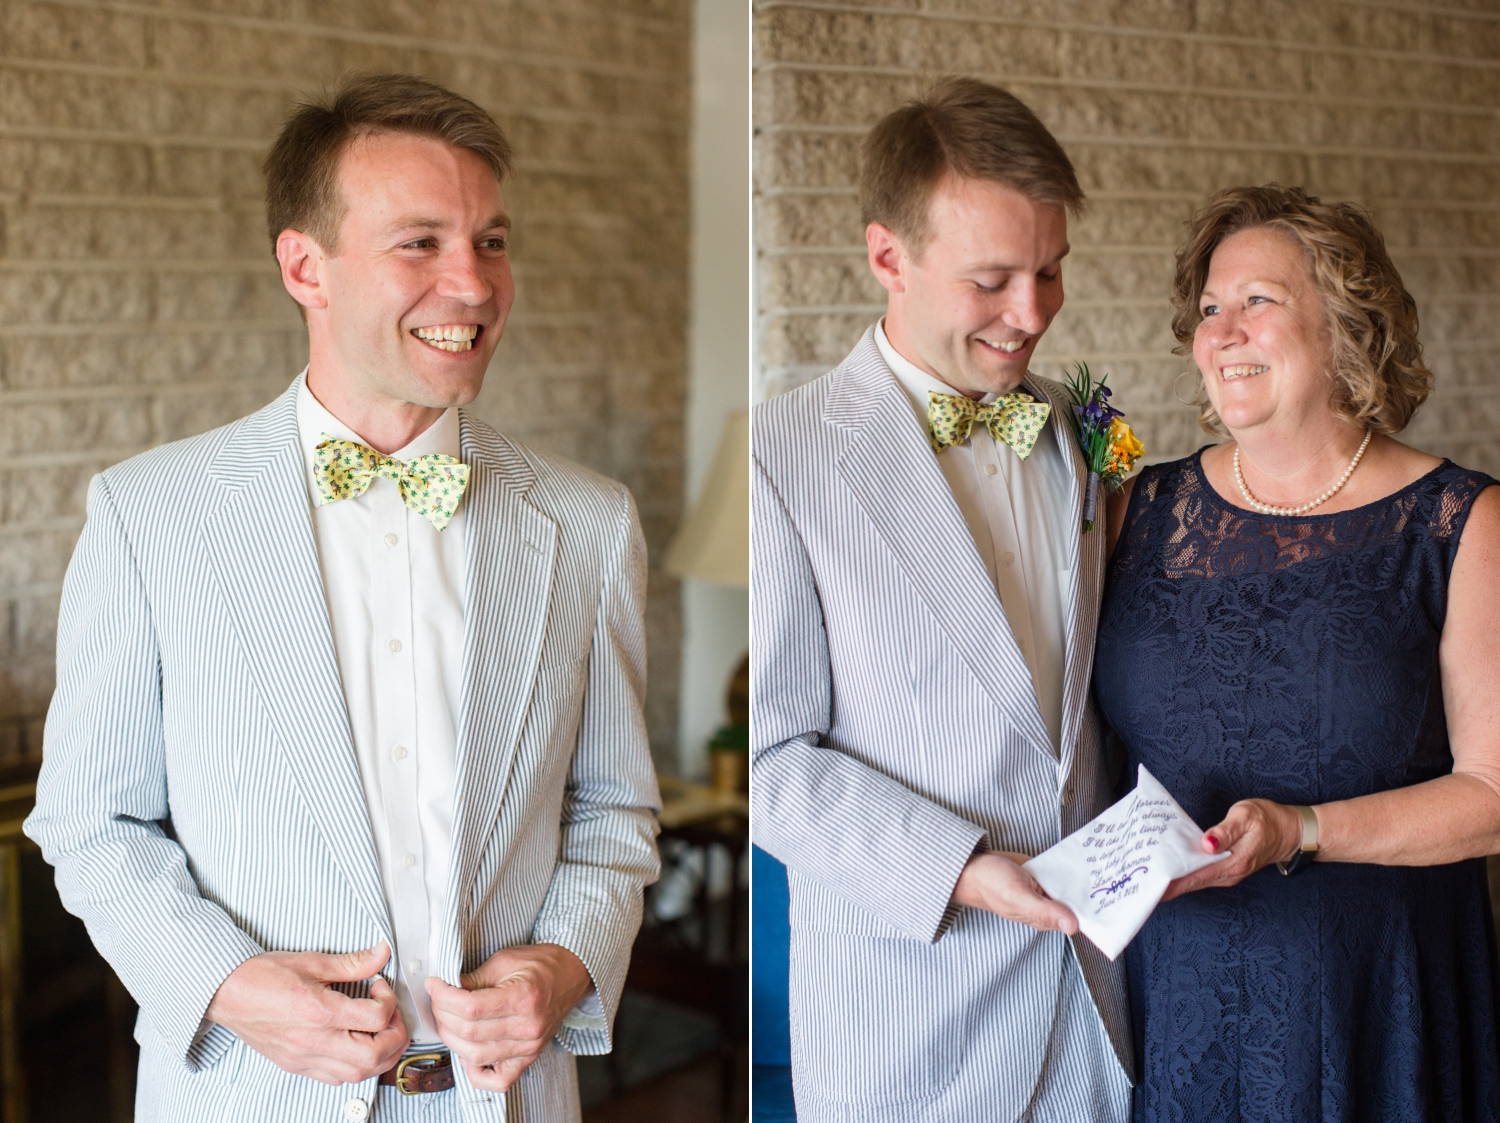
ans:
x=1213 y=843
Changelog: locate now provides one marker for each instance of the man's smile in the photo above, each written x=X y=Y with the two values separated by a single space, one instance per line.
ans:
x=449 y=337
x=1004 y=346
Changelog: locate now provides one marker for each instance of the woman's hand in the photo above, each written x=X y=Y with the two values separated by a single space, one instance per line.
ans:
x=1256 y=832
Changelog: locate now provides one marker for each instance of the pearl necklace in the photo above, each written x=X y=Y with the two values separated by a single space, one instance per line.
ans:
x=1268 y=509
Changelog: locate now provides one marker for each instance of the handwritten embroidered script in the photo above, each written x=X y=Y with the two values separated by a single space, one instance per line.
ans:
x=1113 y=871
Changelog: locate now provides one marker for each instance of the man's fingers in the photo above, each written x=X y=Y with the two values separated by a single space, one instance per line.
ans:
x=352 y=1054
x=366 y=1015
x=513 y=996
x=1045 y=913
x=1035 y=908
x=389 y=1044
x=382 y=994
x=456 y=1001
x=497 y=1077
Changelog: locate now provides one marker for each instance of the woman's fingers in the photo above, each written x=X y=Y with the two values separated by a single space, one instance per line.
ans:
x=1253 y=832
x=1227 y=835
x=1186 y=884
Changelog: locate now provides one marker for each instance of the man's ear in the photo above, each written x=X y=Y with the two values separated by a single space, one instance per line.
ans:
x=301 y=260
x=888 y=260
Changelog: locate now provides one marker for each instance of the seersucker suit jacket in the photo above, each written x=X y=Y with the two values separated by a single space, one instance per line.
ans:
x=894 y=728
x=200 y=797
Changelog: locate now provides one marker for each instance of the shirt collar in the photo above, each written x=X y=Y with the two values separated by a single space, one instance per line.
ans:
x=914 y=380
x=314 y=422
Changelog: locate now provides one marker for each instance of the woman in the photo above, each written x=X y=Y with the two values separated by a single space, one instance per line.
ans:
x=1301 y=639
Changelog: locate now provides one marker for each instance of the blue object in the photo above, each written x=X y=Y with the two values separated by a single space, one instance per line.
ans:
x=1296 y=659
x=771 y=1094
x=770 y=961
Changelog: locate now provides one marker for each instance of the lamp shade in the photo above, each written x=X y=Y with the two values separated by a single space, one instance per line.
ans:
x=713 y=543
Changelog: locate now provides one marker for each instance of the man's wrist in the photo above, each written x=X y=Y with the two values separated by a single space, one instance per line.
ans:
x=571 y=975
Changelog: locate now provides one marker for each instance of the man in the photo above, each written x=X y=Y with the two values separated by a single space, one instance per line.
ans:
x=351 y=689
x=924 y=626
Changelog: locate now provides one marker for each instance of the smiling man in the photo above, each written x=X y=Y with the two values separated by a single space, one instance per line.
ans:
x=346 y=770
x=924 y=613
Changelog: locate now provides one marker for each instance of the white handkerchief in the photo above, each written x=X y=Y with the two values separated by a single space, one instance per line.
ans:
x=1113 y=871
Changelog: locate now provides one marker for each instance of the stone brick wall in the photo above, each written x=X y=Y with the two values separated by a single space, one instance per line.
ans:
x=139 y=302
x=1394 y=103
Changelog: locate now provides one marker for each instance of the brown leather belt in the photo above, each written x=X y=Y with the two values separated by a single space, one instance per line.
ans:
x=421 y=1072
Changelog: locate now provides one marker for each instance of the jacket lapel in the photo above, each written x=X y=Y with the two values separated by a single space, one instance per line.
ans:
x=891 y=471
x=260 y=544
x=510 y=554
x=1084 y=569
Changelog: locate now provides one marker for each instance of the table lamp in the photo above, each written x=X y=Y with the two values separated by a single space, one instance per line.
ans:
x=713 y=544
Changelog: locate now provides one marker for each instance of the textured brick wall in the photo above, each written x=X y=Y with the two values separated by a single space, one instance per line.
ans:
x=1159 y=102
x=139 y=302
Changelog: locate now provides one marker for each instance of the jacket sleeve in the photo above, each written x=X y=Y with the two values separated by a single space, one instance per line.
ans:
x=607 y=854
x=102 y=808
x=827 y=816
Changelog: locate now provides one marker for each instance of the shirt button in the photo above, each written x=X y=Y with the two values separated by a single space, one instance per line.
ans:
x=398 y=753
x=414 y=966
x=1007 y=557
x=990 y=469
x=409 y=861
x=356 y=1111
x=394 y=645
x=391 y=540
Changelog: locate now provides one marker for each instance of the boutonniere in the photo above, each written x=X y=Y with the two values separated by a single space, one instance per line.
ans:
x=1109 y=447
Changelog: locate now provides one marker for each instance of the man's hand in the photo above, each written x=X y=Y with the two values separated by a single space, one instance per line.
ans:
x=995 y=881
x=507 y=1010
x=280 y=1004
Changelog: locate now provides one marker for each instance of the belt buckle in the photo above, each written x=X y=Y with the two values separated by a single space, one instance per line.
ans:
x=401 y=1076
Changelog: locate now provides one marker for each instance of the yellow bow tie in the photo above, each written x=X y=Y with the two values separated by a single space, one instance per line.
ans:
x=430 y=485
x=1015 y=419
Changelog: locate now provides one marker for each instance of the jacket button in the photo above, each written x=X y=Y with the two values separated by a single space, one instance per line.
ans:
x=356 y=1111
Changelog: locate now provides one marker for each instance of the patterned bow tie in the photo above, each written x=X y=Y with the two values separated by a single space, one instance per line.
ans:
x=1015 y=419
x=430 y=485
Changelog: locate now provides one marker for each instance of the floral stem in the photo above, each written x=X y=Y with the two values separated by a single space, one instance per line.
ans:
x=1091 y=502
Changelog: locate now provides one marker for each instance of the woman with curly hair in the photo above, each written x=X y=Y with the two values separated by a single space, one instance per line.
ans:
x=1300 y=638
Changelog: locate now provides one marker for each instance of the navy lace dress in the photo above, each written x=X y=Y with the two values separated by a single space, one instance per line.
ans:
x=1296 y=659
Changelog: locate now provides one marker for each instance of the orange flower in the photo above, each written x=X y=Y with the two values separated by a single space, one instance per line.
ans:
x=1124 y=448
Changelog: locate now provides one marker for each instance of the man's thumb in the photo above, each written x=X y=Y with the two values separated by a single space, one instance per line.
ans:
x=1067 y=923
x=352 y=966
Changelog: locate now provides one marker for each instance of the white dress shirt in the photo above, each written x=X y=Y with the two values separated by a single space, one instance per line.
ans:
x=395 y=590
x=1017 y=512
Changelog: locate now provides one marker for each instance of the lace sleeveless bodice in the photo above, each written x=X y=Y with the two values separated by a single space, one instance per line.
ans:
x=1296 y=658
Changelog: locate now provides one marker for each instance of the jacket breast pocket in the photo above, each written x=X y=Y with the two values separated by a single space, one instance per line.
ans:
x=875 y=1021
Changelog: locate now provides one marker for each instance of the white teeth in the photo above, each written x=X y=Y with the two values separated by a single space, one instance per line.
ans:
x=1009 y=347
x=1242 y=371
x=451 y=337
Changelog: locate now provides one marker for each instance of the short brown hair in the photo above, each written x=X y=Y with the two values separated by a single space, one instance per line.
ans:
x=301 y=169
x=1379 y=379
x=969 y=128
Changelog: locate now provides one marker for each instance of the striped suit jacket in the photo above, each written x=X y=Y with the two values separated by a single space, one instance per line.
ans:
x=895 y=727
x=200 y=796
